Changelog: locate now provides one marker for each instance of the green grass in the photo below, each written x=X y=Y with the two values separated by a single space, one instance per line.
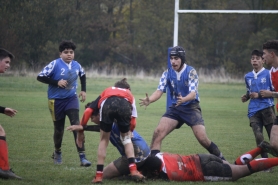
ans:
x=29 y=133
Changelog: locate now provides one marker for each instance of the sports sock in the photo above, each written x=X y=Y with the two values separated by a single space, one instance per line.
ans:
x=132 y=166
x=248 y=156
x=4 y=161
x=262 y=164
x=213 y=149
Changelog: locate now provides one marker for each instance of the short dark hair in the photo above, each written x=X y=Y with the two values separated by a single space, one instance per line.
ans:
x=257 y=53
x=122 y=84
x=151 y=166
x=271 y=45
x=66 y=44
x=96 y=112
x=5 y=53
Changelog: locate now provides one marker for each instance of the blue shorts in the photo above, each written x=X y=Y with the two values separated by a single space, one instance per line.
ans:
x=58 y=107
x=190 y=114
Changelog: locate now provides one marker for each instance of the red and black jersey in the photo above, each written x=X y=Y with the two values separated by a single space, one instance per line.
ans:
x=274 y=79
x=115 y=91
x=181 y=168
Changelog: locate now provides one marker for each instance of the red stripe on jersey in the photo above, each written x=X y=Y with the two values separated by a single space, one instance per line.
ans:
x=274 y=79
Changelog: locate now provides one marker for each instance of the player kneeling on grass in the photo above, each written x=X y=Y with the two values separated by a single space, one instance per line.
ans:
x=206 y=167
x=119 y=167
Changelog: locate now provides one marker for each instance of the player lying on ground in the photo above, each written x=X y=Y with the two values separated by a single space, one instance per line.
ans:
x=206 y=167
x=118 y=167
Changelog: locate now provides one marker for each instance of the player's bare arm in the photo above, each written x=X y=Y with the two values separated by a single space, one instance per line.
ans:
x=146 y=101
x=74 y=127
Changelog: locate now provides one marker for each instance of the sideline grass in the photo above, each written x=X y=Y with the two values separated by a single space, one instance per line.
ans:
x=29 y=134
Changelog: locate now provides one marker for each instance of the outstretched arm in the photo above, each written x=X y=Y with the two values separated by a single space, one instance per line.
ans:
x=94 y=128
x=146 y=101
x=8 y=111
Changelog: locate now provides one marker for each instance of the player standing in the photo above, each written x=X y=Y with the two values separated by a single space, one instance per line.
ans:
x=261 y=111
x=61 y=76
x=5 y=171
x=182 y=83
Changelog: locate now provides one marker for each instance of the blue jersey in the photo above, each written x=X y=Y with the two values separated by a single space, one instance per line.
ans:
x=141 y=148
x=254 y=83
x=58 y=70
x=182 y=82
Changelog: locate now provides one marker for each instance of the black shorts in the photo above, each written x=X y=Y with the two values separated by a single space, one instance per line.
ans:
x=115 y=109
x=190 y=114
x=214 y=169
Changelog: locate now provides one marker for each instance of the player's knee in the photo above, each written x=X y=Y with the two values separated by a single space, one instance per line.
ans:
x=126 y=139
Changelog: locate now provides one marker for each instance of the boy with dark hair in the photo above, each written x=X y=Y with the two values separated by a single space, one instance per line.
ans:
x=270 y=55
x=61 y=76
x=261 y=111
x=5 y=171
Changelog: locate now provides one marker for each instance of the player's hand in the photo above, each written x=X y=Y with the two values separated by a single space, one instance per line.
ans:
x=243 y=98
x=62 y=83
x=265 y=93
x=145 y=102
x=80 y=139
x=82 y=94
x=179 y=100
x=254 y=95
x=74 y=127
x=10 y=112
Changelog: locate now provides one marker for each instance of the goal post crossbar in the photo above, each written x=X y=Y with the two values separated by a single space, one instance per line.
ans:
x=178 y=11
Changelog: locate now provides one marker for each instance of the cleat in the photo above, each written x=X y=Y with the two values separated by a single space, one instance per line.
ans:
x=8 y=174
x=97 y=179
x=57 y=157
x=84 y=161
x=268 y=148
x=137 y=176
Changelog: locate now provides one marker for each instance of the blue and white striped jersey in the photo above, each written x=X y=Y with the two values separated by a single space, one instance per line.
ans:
x=57 y=70
x=254 y=83
x=182 y=82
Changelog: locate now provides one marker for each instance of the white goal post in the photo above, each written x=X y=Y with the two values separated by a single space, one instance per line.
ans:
x=177 y=11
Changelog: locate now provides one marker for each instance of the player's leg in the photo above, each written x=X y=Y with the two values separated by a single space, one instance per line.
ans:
x=106 y=122
x=248 y=156
x=110 y=171
x=214 y=168
x=201 y=135
x=123 y=117
x=253 y=166
x=73 y=115
x=5 y=171
x=165 y=126
x=274 y=136
x=58 y=138
x=258 y=133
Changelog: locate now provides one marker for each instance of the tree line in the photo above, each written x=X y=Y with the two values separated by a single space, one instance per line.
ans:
x=133 y=35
